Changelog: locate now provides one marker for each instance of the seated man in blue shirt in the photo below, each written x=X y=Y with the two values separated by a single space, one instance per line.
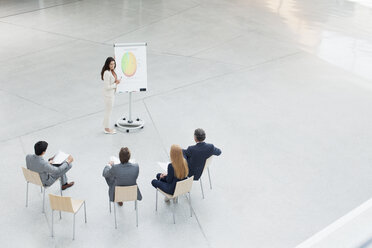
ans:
x=196 y=155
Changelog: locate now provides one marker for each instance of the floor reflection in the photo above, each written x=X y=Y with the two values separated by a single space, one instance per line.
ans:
x=338 y=32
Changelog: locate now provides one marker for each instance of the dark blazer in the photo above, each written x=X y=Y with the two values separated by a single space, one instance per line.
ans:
x=168 y=183
x=171 y=181
x=197 y=155
x=121 y=175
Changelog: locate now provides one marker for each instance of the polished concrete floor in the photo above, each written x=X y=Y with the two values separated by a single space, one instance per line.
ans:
x=283 y=87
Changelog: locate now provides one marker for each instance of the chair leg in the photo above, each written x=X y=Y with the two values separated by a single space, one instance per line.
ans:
x=136 y=213
x=209 y=176
x=190 y=204
x=73 y=229
x=60 y=179
x=201 y=186
x=85 y=212
x=110 y=205
x=174 y=209
x=52 y=223
x=43 y=202
x=116 y=226
x=156 y=204
x=26 y=194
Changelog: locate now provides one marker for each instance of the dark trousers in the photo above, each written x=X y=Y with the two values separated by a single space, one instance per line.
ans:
x=162 y=184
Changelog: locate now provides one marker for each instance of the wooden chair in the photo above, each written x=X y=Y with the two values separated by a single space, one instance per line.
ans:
x=206 y=167
x=182 y=188
x=66 y=204
x=125 y=194
x=34 y=178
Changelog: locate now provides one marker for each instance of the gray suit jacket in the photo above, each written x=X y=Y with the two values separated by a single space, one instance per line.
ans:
x=48 y=173
x=121 y=175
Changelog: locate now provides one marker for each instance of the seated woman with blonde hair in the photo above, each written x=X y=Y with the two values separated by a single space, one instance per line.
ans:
x=177 y=171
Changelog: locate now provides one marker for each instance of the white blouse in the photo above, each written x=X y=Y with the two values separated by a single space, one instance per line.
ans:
x=109 y=85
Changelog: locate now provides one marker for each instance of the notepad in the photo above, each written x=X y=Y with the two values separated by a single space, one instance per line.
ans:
x=163 y=165
x=116 y=160
x=60 y=157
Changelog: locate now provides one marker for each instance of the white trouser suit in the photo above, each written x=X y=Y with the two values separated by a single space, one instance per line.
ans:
x=109 y=90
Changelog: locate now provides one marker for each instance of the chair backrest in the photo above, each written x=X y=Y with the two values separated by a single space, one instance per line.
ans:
x=183 y=187
x=61 y=203
x=207 y=163
x=125 y=193
x=32 y=176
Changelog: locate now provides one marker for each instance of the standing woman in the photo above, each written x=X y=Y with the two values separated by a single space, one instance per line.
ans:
x=110 y=81
x=177 y=171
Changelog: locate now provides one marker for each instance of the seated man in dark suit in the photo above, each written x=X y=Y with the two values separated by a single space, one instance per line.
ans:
x=197 y=155
x=123 y=174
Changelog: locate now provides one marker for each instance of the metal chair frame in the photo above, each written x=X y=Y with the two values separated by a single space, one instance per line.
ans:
x=119 y=198
x=206 y=166
x=67 y=208
x=180 y=190
x=34 y=178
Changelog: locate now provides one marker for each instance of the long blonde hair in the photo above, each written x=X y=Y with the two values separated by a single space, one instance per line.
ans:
x=181 y=170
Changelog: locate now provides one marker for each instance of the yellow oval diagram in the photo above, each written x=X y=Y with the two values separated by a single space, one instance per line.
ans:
x=129 y=64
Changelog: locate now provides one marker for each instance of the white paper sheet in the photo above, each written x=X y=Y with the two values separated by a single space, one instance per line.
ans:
x=116 y=160
x=60 y=157
x=163 y=165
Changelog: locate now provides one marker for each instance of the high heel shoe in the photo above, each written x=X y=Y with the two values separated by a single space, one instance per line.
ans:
x=113 y=131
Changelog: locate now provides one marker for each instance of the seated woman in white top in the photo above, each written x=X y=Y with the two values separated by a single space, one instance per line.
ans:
x=110 y=81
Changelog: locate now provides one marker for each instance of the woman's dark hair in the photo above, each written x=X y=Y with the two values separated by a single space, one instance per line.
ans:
x=106 y=66
x=40 y=147
x=124 y=155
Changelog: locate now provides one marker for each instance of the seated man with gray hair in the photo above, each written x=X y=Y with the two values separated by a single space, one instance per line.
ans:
x=123 y=174
x=196 y=155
